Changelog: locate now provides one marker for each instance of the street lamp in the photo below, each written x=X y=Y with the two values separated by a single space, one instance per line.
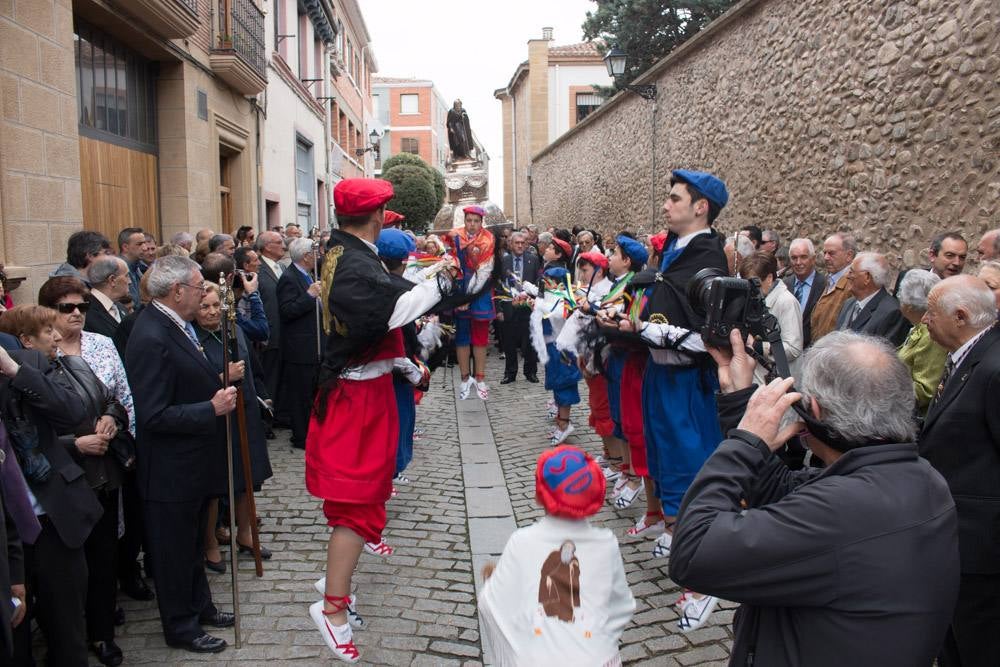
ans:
x=615 y=60
x=373 y=140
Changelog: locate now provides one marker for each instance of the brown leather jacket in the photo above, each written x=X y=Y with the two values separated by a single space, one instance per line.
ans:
x=824 y=314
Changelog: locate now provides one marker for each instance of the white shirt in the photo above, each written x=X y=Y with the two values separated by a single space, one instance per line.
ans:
x=519 y=631
x=683 y=241
x=273 y=265
x=959 y=355
x=108 y=304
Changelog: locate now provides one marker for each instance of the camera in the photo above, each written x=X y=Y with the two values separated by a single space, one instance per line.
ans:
x=729 y=303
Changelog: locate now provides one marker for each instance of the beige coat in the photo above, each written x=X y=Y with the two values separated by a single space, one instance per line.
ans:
x=824 y=314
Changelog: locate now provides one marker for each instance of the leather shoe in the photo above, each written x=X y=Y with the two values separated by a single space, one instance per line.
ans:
x=531 y=378
x=136 y=588
x=217 y=566
x=206 y=643
x=119 y=617
x=265 y=553
x=507 y=379
x=107 y=653
x=220 y=619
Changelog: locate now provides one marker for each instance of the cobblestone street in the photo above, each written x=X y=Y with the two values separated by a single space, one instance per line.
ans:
x=468 y=490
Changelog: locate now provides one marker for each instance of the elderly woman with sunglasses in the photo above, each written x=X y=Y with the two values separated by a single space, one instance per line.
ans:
x=104 y=444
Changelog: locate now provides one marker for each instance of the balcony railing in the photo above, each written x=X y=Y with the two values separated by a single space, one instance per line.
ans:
x=191 y=5
x=239 y=55
x=170 y=18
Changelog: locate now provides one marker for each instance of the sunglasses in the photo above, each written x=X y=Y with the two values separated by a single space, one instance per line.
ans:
x=67 y=308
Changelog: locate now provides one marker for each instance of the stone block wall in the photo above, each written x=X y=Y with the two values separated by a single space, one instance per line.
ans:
x=878 y=117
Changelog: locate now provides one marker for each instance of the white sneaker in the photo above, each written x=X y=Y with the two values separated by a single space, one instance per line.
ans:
x=380 y=548
x=465 y=390
x=400 y=479
x=482 y=390
x=551 y=409
x=627 y=496
x=619 y=485
x=644 y=529
x=560 y=434
x=695 y=611
x=663 y=543
x=353 y=617
x=339 y=638
x=610 y=474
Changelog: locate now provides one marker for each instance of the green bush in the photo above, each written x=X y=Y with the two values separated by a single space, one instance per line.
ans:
x=414 y=195
x=409 y=159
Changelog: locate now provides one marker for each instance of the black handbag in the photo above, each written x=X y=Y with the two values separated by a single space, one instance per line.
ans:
x=24 y=438
x=122 y=447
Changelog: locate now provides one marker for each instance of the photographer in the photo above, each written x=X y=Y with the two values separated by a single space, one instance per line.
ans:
x=854 y=564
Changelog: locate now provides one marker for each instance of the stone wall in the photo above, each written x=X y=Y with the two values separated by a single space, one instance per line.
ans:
x=879 y=117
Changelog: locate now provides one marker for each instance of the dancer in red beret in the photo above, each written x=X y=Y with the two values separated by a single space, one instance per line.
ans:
x=558 y=594
x=351 y=444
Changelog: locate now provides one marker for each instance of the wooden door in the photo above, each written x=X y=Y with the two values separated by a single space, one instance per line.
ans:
x=118 y=188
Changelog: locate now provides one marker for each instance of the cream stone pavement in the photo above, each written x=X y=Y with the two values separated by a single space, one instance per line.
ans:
x=470 y=487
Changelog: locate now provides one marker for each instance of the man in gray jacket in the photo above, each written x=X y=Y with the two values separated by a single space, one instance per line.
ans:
x=855 y=564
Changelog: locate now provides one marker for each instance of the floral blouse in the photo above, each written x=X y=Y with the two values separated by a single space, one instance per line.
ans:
x=102 y=357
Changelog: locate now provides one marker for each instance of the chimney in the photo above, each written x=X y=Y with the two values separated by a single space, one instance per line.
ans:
x=547 y=34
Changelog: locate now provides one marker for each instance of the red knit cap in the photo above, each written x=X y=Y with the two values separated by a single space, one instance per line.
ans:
x=392 y=218
x=595 y=257
x=475 y=210
x=565 y=247
x=569 y=483
x=360 y=196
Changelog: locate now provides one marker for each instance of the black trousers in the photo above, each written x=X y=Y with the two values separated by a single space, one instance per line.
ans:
x=131 y=542
x=101 y=550
x=297 y=398
x=56 y=581
x=517 y=339
x=973 y=639
x=176 y=539
x=270 y=361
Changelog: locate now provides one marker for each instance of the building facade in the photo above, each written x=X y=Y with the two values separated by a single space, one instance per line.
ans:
x=413 y=116
x=300 y=39
x=351 y=115
x=548 y=94
x=125 y=113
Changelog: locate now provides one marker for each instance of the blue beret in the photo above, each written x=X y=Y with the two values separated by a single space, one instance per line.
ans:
x=395 y=244
x=556 y=273
x=707 y=184
x=633 y=249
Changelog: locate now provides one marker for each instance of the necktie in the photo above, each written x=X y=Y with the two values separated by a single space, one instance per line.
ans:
x=517 y=268
x=854 y=315
x=189 y=330
x=15 y=493
x=800 y=288
x=949 y=368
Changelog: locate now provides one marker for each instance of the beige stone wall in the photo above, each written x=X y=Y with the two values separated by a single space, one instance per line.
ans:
x=877 y=117
x=39 y=153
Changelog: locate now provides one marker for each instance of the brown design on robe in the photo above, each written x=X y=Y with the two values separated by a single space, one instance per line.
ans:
x=559 y=587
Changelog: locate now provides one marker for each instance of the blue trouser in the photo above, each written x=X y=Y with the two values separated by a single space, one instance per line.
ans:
x=407 y=409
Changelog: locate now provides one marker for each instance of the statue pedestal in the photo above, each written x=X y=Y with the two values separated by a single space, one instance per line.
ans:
x=466 y=182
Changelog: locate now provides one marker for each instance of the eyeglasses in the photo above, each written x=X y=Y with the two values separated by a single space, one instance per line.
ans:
x=203 y=287
x=67 y=308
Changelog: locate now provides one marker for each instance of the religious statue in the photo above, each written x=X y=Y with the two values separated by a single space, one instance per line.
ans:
x=459 y=132
x=559 y=588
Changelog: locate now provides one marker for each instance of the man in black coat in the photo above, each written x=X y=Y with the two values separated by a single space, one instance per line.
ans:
x=805 y=282
x=179 y=405
x=109 y=281
x=871 y=309
x=814 y=555
x=56 y=566
x=518 y=266
x=961 y=439
x=300 y=350
x=271 y=249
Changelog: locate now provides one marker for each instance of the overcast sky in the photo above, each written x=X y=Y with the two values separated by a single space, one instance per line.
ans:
x=468 y=48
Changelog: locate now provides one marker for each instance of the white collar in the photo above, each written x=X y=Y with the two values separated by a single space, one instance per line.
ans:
x=958 y=356
x=683 y=241
x=865 y=301
x=273 y=265
x=172 y=314
x=105 y=301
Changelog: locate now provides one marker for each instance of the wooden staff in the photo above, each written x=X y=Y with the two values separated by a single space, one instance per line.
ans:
x=233 y=345
x=225 y=304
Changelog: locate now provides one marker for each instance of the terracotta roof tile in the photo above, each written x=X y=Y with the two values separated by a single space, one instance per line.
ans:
x=580 y=49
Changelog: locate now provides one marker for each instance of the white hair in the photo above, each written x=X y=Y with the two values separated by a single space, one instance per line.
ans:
x=180 y=238
x=810 y=248
x=970 y=294
x=169 y=271
x=915 y=286
x=103 y=268
x=299 y=248
x=876 y=265
x=743 y=244
x=864 y=391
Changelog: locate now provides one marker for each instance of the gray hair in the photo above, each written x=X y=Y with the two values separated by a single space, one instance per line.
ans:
x=181 y=238
x=263 y=239
x=518 y=236
x=771 y=235
x=915 y=286
x=216 y=241
x=743 y=244
x=167 y=272
x=545 y=237
x=876 y=265
x=847 y=241
x=970 y=294
x=103 y=268
x=991 y=264
x=864 y=391
x=810 y=248
x=299 y=248
x=586 y=233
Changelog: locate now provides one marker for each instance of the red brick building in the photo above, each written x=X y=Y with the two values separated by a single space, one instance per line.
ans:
x=412 y=114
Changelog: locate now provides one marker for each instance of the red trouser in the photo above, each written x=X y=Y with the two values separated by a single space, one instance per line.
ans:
x=631 y=410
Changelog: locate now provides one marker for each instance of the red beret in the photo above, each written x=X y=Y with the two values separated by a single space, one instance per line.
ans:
x=565 y=247
x=657 y=241
x=475 y=210
x=569 y=483
x=596 y=258
x=360 y=196
x=392 y=218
